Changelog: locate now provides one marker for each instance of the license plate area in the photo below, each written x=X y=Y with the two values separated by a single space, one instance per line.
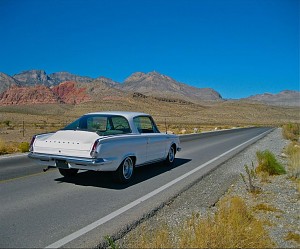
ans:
x=62 y=164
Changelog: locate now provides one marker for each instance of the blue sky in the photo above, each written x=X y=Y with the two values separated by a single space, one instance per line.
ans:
x=237 y=47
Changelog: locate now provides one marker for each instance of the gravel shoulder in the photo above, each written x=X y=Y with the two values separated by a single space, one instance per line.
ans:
x=278 y=192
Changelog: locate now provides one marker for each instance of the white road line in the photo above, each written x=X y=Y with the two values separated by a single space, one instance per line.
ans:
x=116 y=213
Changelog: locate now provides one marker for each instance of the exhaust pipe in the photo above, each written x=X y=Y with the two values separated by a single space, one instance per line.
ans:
x=46 y=169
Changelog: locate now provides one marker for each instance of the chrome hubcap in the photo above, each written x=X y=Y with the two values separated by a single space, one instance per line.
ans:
x=127 y=168
x=171 y=154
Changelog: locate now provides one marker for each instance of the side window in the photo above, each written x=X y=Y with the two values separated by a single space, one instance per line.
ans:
x=145 y=124
x=120 y=123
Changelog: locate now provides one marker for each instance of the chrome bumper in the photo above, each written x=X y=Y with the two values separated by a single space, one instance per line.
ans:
x=72 y=162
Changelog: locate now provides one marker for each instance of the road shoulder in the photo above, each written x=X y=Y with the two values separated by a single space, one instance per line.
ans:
x=202 y=197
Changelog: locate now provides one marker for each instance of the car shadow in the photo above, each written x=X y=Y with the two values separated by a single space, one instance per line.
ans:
x=105 y=179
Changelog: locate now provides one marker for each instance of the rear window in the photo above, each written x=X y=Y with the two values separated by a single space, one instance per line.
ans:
x=103 y=125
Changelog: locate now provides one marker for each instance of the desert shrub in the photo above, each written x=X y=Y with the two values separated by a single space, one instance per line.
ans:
x=249 y=180
x=293 y=236
x=268 y=163
x=24 y=147
x=293 y=151
x=111 y=243
x=7 y=122
x=7 y=148
x=232 y=226
x=291 y=131
x=294 y=165
x=292 y=148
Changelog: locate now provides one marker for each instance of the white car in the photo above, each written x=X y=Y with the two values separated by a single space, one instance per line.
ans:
x=105 y=141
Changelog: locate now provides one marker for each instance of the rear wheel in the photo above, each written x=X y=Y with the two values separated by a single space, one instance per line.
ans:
x=125 y=171
x=68 y=172
x=171 y=156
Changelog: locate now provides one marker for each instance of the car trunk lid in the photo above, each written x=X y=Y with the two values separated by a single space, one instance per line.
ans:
x=74 y=143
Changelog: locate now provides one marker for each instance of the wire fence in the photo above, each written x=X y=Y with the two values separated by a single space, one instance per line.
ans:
x=24 y=127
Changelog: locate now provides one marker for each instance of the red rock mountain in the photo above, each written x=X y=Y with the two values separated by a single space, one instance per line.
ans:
x=66 y=92
x=69 y=93
x=28 y=95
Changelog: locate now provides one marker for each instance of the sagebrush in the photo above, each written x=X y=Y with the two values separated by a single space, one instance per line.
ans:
x=267 y=162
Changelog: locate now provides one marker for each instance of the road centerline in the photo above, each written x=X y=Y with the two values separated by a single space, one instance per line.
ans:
x=121 y=210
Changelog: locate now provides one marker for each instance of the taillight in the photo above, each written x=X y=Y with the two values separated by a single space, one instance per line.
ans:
x=31 y=143
x=94 y=152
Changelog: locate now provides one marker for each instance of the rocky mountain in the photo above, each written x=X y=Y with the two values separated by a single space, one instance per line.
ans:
x=40 y=77
x=59 y=77
x=6 y=82
x=63 y=87
x=104 y=88
x=69 y=92
x=34 y=77
x=284 y=98
x=17 y=95
x=155 y=84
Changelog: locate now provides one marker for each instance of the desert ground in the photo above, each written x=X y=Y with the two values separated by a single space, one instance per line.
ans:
x=18 y=123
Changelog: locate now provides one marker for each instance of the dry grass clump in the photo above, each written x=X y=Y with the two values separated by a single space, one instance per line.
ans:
x=291 y=131
x=13 y=147
x=232 y=226
x=157 y=238
x=23 y=147
x=293 y=236
x=293 y=151
x=267 y=208
x=7 y=148
x=268 y=163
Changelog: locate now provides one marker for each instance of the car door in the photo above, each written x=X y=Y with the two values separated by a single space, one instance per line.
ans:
x=156 y=141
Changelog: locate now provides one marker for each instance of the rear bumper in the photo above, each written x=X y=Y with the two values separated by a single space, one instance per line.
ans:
x=97 y=164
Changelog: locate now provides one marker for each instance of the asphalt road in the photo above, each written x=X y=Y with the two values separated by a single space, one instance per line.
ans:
x=47 y=210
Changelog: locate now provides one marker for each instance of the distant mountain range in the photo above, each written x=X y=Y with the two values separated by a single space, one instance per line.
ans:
x=36 y=86
x=284 y=98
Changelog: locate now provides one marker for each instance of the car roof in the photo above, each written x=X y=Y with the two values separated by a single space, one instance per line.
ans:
x=127 y=115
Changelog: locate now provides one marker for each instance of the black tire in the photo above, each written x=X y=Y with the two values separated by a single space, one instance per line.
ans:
x=125 y=172
x=171 y=156
x=68 y=172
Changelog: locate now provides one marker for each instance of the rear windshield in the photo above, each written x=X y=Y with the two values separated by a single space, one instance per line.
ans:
x=103 y=125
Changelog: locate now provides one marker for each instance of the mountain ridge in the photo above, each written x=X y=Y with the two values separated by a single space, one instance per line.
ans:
x=153 y=84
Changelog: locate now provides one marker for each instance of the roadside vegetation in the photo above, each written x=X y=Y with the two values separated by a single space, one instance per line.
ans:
x=237 y=221
x=267 y=163
x=292 y=132
x=13 y=147
x=231 y=226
